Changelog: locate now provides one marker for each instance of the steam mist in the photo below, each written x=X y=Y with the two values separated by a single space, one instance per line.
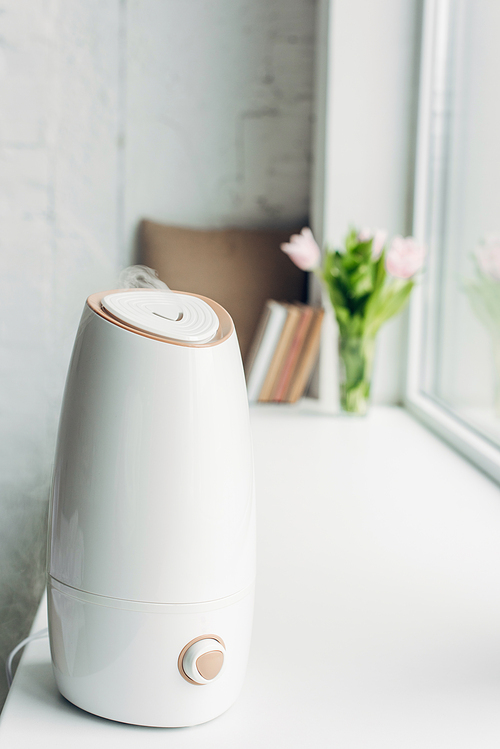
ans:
x=140 y=277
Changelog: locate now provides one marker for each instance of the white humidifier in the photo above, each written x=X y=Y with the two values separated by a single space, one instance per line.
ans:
x=152 y=549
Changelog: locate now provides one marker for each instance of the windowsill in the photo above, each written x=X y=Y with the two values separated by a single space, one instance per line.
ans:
x=378 y=601
x=483 y=419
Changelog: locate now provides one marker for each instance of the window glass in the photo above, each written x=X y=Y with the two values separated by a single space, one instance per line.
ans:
x=461 y=363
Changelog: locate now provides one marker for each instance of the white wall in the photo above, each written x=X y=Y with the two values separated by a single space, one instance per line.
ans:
x=367 y=86
x=219 y=98
x=192 y=112
x=58 y=204
x=58 y=240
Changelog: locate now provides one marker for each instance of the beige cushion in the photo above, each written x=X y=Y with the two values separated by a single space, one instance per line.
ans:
x=239 y=268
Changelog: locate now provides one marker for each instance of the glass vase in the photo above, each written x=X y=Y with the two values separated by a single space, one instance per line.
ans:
x=356 y=366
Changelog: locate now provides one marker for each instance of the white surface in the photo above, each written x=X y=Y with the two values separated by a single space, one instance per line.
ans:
x=153 y=495
x=379 y=552
x=122 y=663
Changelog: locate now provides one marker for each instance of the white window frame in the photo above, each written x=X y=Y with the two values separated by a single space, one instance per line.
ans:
x=434 y=414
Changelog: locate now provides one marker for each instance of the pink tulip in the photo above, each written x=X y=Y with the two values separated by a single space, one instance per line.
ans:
x=303 y=250
x=364 y=235
x=488 y=256
x=404 y=257
x=379 y=237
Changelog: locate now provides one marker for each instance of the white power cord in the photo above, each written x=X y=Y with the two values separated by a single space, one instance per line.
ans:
x=8 y=665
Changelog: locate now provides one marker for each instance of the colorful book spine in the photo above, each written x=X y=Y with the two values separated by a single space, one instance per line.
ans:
x=283 y=353
x=307 y=360
x=293 y=354
x=286 y=337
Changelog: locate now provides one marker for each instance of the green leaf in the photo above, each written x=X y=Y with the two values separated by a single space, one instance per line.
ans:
x=358 y=288
x=351 y=239
x=361 y=281
x=380 y=273
x=388 y=302
x=365 y=249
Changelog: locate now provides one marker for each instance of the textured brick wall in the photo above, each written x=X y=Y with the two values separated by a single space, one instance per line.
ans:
x=229 y=111
x=193 y=112
x=59 y=84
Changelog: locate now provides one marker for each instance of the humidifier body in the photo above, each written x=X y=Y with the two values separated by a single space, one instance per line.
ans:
x=152 y=540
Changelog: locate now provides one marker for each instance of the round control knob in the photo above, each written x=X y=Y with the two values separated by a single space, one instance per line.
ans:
x=201 y=661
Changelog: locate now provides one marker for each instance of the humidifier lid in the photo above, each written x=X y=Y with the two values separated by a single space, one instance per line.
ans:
x=180 y=317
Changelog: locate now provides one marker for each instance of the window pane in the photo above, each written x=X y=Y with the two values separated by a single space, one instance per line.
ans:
x=461 y=368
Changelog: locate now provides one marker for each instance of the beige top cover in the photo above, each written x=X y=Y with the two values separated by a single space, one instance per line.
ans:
x=223 y=332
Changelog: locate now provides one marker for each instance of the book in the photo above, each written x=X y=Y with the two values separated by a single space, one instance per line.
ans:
x=307 y=359
x=256 y=341
x=283 y=344
x=276 y=315
x=292 y=356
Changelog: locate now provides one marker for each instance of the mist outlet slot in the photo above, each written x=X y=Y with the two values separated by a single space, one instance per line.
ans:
x=173 y=319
